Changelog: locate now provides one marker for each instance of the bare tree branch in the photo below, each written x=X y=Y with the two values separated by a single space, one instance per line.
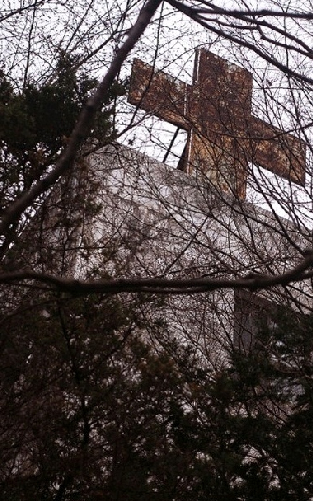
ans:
x=20 y=10
x=85 y=120
x=163 y=285
x=214 y=9
x=194 y=14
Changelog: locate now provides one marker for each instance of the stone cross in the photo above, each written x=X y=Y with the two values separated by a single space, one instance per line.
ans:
x=223 y=135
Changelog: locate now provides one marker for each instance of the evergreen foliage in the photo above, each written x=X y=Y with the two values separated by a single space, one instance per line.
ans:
x=37 y=122
x=101 y=413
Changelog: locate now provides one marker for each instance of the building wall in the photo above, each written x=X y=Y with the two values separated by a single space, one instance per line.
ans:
x=162 y=222
x=121 y=214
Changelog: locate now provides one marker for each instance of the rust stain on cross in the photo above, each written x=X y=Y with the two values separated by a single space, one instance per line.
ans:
x=223 y=135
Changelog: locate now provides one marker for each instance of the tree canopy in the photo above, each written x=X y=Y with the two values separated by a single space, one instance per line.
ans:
x=91 y=408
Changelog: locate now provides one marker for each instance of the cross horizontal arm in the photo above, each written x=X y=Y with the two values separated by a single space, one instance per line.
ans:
x=277 y=151
x=159 y=93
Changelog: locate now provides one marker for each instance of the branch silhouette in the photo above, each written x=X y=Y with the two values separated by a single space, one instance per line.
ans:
x=163 y=285
x=84 y=122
